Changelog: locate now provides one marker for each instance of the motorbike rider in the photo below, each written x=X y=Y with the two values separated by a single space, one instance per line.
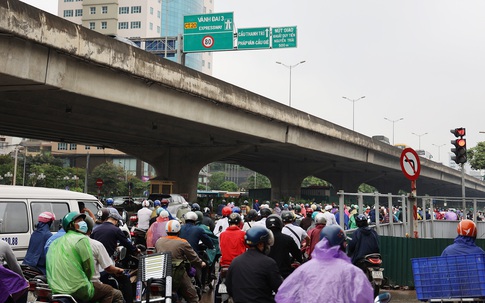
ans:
x=250 y=219
x=207 y=220
x=222 y=223
x=307 y=221
x=156 y=205
x=35 y=256
x=110 y=202
x=231 y=241
x=284 y=250
x=180 y=250
x=208 y=272
x=364 y=241
x=185 y=208
x=70 y=263
x=297 y=233
x=314 y=234
x=13 y=285
x=254 y=270
x=109 y=234
x=193 y=233
x=143 y=215
x=464 y=243
x=157 y=229
x=103 y=261
x=264 y=212
x=342 y=281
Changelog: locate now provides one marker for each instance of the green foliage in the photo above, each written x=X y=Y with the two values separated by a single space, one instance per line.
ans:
x=111 y=175
x=366 y=188
x=260 y=181
x=216 y=179
x=476 y=156
x=228 y=186
x=313 y=181
x=201 y=186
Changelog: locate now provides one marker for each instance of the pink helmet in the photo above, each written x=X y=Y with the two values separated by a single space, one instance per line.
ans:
x=46 y=217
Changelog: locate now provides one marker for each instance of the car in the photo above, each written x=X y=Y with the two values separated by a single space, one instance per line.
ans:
x=123 y=201
x=176 y=201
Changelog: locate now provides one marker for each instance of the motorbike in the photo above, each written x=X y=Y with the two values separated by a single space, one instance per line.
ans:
x=374 y=271
x=220 y=291
x=383 y=298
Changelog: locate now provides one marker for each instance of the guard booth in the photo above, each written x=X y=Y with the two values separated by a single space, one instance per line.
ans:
x=158 y=186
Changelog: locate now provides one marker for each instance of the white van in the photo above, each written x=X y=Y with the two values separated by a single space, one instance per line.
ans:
x=20 y=207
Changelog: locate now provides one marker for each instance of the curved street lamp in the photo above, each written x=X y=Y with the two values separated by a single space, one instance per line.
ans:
x=419 y=136
x=353 y=109
x=290 y=67
x=393 y=121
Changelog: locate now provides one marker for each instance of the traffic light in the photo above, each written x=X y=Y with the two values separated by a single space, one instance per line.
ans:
x=460 y=145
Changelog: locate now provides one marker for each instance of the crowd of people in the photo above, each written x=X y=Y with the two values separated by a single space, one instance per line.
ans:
x=284 y=253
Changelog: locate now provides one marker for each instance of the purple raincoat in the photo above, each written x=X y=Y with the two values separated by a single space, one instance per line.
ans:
x=328 y=277
x=11 y=283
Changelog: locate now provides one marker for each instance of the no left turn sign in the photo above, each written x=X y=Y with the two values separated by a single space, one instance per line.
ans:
x=410 y=164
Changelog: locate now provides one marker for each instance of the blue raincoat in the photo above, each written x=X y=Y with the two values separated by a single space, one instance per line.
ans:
x=328 y=277
x=35 y=253
x=462 y=245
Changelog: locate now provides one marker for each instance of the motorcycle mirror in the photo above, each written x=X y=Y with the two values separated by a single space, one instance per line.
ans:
x=384 y=297
x=121 y=250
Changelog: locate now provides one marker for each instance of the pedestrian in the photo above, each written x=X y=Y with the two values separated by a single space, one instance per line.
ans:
x=341 y=283
x=35 y=256
x=253 y=276
x=464 y=243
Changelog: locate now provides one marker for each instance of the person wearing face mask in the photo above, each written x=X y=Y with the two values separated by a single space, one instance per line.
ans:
x=254 y=270
x=70 y=263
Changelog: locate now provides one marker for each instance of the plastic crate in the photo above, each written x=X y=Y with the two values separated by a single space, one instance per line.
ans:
x=447 y=277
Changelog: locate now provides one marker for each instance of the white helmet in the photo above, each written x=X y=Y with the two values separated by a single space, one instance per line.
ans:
x=145 y=203
x=172 y=227
x=190 y=216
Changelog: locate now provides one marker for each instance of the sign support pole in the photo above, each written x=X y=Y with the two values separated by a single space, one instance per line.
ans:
x=463 y=187
x=413 y=207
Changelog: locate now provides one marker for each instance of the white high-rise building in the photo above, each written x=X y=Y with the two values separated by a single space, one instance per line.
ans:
x=139 y=19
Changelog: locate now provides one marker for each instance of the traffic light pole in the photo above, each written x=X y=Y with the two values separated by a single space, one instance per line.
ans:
x=463 y=187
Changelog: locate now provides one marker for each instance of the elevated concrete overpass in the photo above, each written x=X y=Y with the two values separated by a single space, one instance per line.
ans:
x=62 y=82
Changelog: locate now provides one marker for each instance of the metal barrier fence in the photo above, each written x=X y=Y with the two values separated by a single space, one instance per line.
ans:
x=426 y=228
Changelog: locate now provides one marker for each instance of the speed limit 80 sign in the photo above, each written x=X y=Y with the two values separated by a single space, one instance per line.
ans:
x=208 y=41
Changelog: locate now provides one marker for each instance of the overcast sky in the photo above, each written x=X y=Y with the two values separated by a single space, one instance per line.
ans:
x=414 y=59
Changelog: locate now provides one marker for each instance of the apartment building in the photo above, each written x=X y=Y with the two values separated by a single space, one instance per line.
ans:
x=140 y=19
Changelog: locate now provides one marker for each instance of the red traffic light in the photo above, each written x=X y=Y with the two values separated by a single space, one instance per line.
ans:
x=458 y=132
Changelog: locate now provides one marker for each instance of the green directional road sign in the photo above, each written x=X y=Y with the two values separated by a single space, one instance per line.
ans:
x=283 y=37
x=253 y=38
x=209 y=32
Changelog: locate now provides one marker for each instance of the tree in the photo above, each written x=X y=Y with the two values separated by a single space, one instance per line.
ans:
x=228 y=186
x=366 y=188
x=313 y=181
x=112 y=175
x=476 y=156
x=216 y=179
x=261 y=182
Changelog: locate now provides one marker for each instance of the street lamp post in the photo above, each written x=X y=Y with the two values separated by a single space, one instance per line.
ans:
x=290 y=67
x=439 y=153
x=353 y=109
x=419 y=136
x=393 y=121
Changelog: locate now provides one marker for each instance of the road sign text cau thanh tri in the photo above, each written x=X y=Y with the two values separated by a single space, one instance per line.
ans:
x=253 y=38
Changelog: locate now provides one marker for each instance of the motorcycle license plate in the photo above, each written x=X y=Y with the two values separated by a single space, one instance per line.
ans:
x=222 y=288
x=377 y=274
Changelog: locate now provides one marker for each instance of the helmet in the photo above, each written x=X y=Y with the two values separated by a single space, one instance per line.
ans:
x=234 y=219
x=46 y=217
x=361 y=220
x=207 y=210
x=69 y=218
x=334 y=234
x=200 y=216
x=287 y=216
x=309 y=211
x=113 y=213
x=236 y=210
x=320 y=219
x=252 y=215
x=274 y=222
x=145 y=203
x=297 y=208
x=165 y=202
x=467 y=228
x=109 y=201
x=163 y=213
x=103 y=214
x=226 y=211
x=190 y=216
x=90 y=223
x=328 y=207
x=195 y=207
x=246 y=202
x=265 y=212
x=258 y=234
x=172 y=227
x=156 y=203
